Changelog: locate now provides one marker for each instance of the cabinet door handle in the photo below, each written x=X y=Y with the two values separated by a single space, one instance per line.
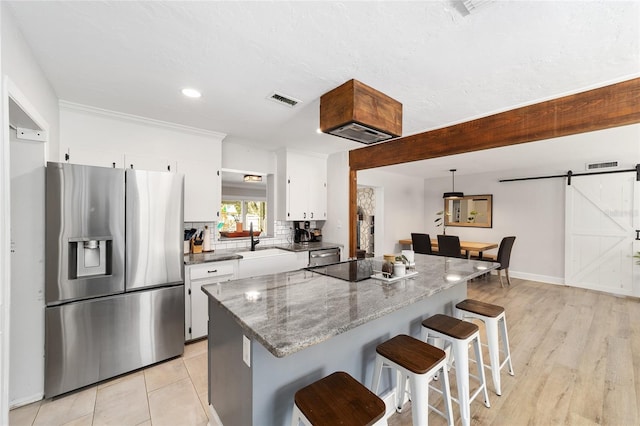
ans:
x=212 y=272
x=311 y=215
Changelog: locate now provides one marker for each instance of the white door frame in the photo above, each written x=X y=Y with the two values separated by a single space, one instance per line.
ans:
x=9 y=90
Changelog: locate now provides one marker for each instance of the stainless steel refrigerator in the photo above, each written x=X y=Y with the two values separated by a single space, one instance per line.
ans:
x=114 y=283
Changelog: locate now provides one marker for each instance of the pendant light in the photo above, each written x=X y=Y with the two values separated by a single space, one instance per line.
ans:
x=453 y=193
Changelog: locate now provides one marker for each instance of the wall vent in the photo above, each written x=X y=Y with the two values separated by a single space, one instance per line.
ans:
x=283 y=99
x=601 y=165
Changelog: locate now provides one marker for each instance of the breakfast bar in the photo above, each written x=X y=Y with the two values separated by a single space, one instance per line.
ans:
x=271 y=335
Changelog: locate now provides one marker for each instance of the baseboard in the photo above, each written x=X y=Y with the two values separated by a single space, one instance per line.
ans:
x=215 y=419
x=535 y=277
x=25 y=400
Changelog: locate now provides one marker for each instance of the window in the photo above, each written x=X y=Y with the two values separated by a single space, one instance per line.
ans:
x=246 y=212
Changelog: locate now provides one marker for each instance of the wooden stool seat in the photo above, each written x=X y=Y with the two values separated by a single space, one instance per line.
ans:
x=416 y=363
x=450 y=326
x=481 y=308
x=339 y=399
x=411 y=353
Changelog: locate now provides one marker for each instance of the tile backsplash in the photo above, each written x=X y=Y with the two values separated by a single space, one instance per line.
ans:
x=283 y=234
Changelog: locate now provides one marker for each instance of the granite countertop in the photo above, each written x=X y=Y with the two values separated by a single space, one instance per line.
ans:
x=231 y=254
x=214 y=256
x=291 y=311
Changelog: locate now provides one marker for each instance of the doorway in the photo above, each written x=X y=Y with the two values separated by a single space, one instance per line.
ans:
x=365 y=226
x=601 y=222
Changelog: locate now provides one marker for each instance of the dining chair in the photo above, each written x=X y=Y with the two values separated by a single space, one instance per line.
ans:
x=449 y=245
x=421 y=243
x=504 y=256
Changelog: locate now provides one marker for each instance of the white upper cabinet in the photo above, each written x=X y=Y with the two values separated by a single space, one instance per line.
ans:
x=112 y=139
x=302 y=186
x=202 y=189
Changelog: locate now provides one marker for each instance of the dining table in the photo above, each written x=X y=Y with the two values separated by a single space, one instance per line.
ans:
x=467 y=246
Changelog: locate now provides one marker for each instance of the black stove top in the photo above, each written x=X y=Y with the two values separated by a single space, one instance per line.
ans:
x=351 y=270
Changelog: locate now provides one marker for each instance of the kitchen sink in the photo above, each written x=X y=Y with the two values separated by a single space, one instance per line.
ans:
x=266 y=261
x=262 y=253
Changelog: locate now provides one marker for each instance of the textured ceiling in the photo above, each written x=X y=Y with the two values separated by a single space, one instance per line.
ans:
x=444 y=66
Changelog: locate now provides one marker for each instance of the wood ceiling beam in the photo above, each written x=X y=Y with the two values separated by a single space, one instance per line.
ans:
x=597 y=109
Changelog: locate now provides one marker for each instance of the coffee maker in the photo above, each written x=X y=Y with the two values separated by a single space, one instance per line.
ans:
x=301 y=232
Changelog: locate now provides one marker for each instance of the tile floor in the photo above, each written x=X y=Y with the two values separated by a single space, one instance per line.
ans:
x=170 y=393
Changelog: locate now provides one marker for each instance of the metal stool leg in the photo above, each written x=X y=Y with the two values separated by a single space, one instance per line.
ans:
x=480 y=364
x=505 y=343
x=491 y=326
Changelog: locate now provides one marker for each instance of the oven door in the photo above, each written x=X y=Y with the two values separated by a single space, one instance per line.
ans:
x=324 y=256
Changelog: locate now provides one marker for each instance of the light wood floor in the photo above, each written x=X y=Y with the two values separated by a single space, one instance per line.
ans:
x=576 y=355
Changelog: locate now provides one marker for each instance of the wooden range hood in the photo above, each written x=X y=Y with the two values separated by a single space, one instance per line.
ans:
x=358 y=112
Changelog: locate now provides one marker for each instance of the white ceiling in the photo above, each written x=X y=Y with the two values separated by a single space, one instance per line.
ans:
x=444 y=66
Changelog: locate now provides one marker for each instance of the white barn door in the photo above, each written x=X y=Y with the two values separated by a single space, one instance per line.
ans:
x=601 y=219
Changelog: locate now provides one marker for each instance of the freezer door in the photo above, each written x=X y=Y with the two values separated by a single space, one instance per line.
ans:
x=154 y=229
x=84 y=235
x=93 y=340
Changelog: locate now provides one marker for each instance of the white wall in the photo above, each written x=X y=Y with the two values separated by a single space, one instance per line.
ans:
x=254 y=194
x=399 y=205
x=248 y=159
x=107 y=131
x=27 y=276
x=531 y=210
x=336 y=227
x=5 y=228
x=20 y=68
x=402 y=199
x=19 y=65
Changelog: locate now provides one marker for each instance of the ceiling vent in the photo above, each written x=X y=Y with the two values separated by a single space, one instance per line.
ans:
x=601 y=165
x=360 y=113
x=283 y=99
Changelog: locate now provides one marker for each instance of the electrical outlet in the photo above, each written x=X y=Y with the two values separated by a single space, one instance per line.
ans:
x=246 y=350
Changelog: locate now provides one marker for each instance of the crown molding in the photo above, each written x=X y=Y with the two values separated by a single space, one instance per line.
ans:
x=72 y=106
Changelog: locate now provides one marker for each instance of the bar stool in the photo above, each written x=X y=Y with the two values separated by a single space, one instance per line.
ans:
x=419 y=362
x=459 y=335
x=337 y=399
x=493 y=317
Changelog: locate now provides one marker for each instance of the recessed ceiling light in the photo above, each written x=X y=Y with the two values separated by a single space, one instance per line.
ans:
x=191 y=93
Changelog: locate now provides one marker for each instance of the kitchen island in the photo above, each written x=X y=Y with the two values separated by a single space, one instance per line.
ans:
x=271 y=335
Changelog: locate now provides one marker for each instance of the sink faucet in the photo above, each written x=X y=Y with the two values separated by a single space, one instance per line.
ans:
x=255 y=242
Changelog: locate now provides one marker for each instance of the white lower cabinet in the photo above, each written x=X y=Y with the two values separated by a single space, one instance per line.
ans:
x=196 y=314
